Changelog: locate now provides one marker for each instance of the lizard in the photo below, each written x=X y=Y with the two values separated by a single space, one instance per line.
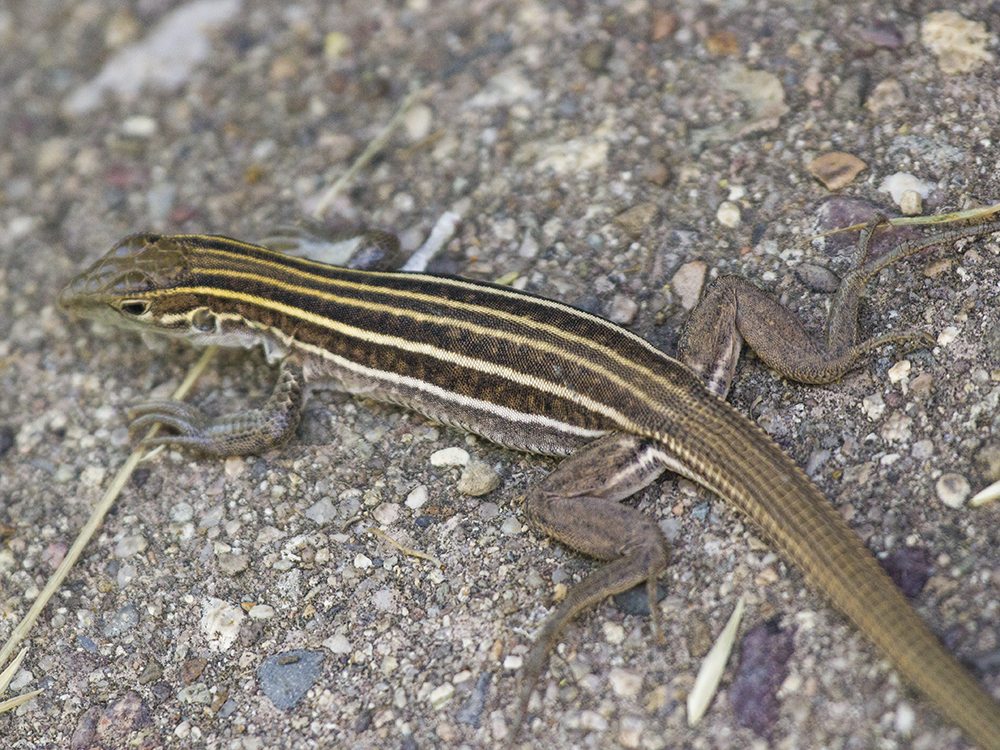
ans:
x=537 y=375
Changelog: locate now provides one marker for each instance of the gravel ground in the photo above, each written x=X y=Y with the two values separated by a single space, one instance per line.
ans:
x=605 y=155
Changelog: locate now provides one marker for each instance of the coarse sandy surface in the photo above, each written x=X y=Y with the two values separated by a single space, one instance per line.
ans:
x=592 y=151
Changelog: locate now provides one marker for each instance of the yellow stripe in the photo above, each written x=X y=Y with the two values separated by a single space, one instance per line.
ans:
x=396 y=342
x=474 y=328
x=278 y=264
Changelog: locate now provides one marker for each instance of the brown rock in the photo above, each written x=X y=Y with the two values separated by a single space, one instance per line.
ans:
x=836 y=169
x=636 y=219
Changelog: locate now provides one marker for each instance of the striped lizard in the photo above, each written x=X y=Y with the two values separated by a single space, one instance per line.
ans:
x=537 y=375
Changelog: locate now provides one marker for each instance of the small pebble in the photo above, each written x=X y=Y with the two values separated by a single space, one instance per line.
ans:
x=126 y=574
x=336 y=44
x=687 y=283
x=817 y=278
x=122 y=621
x=386 y=513
x=384 y=600
x=181 y=512
x=450 y=457
x=922 y=449
x=488 y=511
x=947 y=335
x=595 y=54
x=625 y=684
x=261 y=612
x=228 y=708
x=152 y=672
x=511 y=526
x=220 y=622
x=286 y=678
x=139 y=126
x=52 y=154
x=910 y=203
x=322 y=511
x=417 y=497
x=922 y=384
x=191 y=669
x=987 y=461
x=656 y=172
x=593 y=721
x=722 y=43
x=960 y=44
x=905 y=718
x=230 y=564
x=212 y=518
x=54 y=554
x=613 y=633
x=441 y=695
x=873 y=406
x=909 y=568
x=472 y=711
x=763 y=667
x=338 y=644
x=728 y=214
x=93 y=476
x=887 y=96
x=636 y=219
x=529 y=246
x=418 y=122
x=130 y=545
x=883 y=34
x=836 y=170
x=952 y=489
x=664 y=24
x=899 y=371
x=622 y=310
x=478 y=478
x=897 y=429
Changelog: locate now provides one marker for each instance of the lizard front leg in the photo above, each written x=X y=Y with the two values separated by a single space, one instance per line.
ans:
x=579 y=504
x=246 y=433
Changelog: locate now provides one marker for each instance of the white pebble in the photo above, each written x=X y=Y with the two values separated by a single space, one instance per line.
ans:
x=139 y=126
x=900 y=182
x=441 y=695
x=899 y=371
x=261 y=612
x=614 y=633
x=873 y=406
x=418 y=122
x=417 y=497
x=946 y=336
x=952 y=489
x=905 y=716
x=450 y=457
x=338 y=644
x=910 y=203
x=624 y=683
x=130 y=545
x=728 y=214
x=386 y=513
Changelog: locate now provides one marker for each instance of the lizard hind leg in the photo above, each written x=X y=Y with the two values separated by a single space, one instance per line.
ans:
x=733 y=311
x=579 y=504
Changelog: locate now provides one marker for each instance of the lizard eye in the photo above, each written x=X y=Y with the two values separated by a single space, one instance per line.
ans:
x=134 y=307
x=203 y=320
